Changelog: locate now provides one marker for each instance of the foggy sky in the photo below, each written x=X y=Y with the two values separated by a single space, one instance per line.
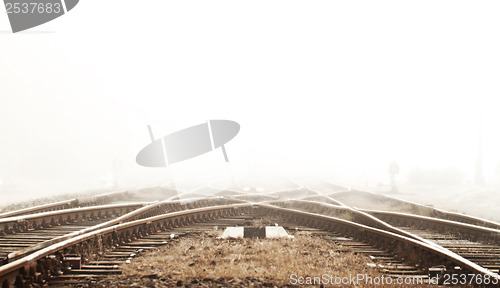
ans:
x=326 y=88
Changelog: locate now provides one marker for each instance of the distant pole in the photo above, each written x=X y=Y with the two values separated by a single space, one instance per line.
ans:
x=478 y=177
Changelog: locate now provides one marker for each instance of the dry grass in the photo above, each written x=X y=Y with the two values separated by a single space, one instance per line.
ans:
x=203 y=260
x=208 y=257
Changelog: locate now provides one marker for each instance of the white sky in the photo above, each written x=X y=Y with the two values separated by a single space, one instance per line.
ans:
x=318 y=87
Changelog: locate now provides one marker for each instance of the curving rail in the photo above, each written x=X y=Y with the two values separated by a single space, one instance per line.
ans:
x=40 y=265
x=36 y=263
x=410 y=249
x=135 y=211
x=468 y=231
x=71 y=203
x=346 y=213
x=11 y=225
x=420 y=208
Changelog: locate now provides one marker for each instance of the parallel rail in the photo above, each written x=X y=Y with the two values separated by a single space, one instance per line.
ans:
x=479 y=244
x=410 y=249
x=11 y=225
x=422 y=209
x=135 y=211
x=39 y=266
x=22 y=234
x=346 y=213
x=37 y=263
x=476 y=243
x=71 y=203
x=468 y=231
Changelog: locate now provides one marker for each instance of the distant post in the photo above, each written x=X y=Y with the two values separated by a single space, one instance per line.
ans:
x=393 y=171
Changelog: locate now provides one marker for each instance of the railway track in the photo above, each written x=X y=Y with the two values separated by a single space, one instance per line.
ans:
x=19 y=234
x=111 y=261
x=358 y=199
x=101 y=199
x=478 y=244
x=423 y=255
x=53 y=260
x=68 y=257
x=23 y=235
x=117 y=197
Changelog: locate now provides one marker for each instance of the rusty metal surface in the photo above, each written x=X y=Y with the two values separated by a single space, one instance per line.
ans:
x=347 y=213
x=488 y=235
x=112 y=260
x=476 y=243
x=71 y=203
x=122 y=231
x=434 y=212
x=18 y=224
x=141 y=211
x=41 y=208
x=427 y=254
x=377 y=229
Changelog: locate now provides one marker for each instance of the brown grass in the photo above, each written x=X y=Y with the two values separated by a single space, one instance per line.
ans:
x=203 y=260
x=208 y=257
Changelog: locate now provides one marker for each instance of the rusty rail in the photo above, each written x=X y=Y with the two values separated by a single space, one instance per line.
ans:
x=71 y=203
x=39 y=266
x=323 y=199
x=465 y=230
x=41 y=208
x=346 y=213
x=11 y=225
x=423 y=209
x=139 y=213
x=410 y=249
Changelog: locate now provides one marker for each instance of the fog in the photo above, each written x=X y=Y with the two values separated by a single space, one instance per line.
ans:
x=330 y=90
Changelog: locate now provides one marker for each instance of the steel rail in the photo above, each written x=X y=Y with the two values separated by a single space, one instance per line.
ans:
x=341 y=212
x=254 y=197
x=17 y=224
x=472 y=232
x=277 y=195
x=35 y=266
x=304 y=191
x=410 y=249
x=142 y=212
x=71 y=203
x=324 y=198
x=435 y=212
x=41 y=208
x=201 y=192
